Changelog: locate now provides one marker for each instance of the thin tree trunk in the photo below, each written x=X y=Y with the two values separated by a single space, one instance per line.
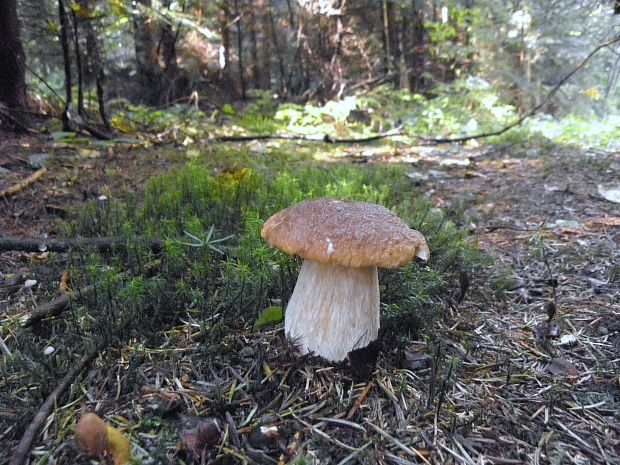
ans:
x=394 y=39
x=240 y=51
x=101 y=100
x=78 y=63
x=416 y=47
x=64 y=42
x=385 y=38
x=254 y=66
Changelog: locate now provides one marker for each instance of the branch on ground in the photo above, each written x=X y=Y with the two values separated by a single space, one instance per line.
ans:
x=9 y=191
x=34 y=244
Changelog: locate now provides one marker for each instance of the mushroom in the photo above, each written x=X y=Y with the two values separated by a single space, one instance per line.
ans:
x=334 y=308
x=95 y=437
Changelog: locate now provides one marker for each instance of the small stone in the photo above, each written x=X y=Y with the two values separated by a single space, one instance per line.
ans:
x=602 y=331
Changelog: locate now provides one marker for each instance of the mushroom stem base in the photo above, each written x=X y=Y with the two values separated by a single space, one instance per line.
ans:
x=334 y=309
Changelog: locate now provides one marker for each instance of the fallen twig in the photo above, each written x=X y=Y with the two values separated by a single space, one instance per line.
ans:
x=23 y=184
x=21 y=451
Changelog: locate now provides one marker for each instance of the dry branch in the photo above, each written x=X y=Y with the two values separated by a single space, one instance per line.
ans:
x=56 y=306
x=325 y=138
x=34 y=244
x=23 y=184
x=21 y=451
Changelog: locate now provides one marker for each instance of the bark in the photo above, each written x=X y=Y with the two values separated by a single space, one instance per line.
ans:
x=385 y=37
x=393 y=33
x=274 y=36
x=12 y=74
x=9 y=191
x=103 y=244
x=21 y=452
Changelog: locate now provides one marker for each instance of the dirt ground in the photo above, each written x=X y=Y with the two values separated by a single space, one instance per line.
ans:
x=538 y=362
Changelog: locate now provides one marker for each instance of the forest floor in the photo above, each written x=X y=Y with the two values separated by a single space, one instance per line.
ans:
x=536 y=378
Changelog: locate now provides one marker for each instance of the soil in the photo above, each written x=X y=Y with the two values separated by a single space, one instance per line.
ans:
x=534 y=345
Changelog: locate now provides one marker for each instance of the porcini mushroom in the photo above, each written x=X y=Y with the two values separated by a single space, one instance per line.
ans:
x=334 y=308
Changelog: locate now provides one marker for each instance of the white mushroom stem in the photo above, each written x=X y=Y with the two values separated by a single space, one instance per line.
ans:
x=334 y=309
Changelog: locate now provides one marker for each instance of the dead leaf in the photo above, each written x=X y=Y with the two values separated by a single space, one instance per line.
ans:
x=416 y=361
x=267 y=437
x=605 y=221
x=547 y=330
x=199 y=434
x=561 y=367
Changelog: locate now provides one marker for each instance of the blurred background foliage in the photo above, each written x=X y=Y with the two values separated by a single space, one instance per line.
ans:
x=437 y=67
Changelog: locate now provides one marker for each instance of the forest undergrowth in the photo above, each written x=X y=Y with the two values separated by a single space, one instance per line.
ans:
x=502 y=349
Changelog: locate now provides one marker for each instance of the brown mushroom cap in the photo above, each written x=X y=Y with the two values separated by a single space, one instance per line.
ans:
x=344 y=232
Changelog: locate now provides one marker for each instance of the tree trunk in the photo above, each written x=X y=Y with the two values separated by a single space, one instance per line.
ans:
x=385 y=37
x=415 y=49
x=78 y=63
x=274 y=36
x=12 y=79
x=64 y=42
